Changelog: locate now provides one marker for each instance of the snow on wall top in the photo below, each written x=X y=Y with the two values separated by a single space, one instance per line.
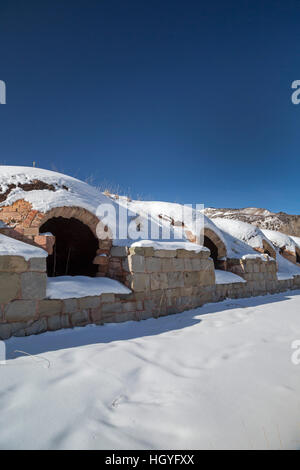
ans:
x=280 y=240
x=10 y=246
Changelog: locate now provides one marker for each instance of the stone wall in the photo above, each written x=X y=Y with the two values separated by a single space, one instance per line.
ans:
x=162 y=282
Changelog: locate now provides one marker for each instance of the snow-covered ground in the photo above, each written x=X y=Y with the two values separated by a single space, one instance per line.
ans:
x=220 y=376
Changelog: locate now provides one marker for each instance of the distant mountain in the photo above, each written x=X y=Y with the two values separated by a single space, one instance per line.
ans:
x=263 y=218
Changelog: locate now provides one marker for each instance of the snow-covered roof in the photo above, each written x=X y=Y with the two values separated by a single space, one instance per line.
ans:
x=58 y=190
x=245 y=232
x=280 y=240
x=296 y=240
x=12 y=247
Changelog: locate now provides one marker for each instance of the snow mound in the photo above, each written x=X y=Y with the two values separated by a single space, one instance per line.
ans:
x=67 y=287
x=280 y=240
x=10 y=246
x=245 y=232
x=65 y=190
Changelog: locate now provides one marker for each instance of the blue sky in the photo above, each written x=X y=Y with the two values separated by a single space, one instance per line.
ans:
x=186 y=101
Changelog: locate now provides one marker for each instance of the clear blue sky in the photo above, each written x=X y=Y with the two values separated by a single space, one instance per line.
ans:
x=180 y=100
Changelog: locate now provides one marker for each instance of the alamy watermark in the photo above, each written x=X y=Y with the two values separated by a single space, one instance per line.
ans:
x=296 y=94
x=2 y=92
x=120 y=222
x=2 y=353
x=295 y=357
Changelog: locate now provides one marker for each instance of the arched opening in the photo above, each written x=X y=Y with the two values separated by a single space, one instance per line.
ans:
x=297 y=256
x=74 y=250
x=213 y=249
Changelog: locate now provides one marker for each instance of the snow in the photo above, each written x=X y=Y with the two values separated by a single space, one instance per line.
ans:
x=79 y=194
x=245 y=232
x=226 y=277
x=286 y=269
x=12 y=247
x=66 y=287
x=261 y=256
x=217 y=377
x=167 y=245
x=280 y=240
x=296 y=240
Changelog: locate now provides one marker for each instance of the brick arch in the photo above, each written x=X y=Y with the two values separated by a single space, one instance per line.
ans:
x=269 y=249
x=213 y=237
x=78 y=213
x=297 y=254
x=216 y=240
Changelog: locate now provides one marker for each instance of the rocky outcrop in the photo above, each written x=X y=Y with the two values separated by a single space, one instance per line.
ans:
x=262 y=218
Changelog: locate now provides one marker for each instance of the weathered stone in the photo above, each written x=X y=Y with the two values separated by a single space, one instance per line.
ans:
x=178 y=264
x=132 y=306
x=70 y=305
x=111 y=308
x=10 y=287
x=159 y=281
x=89 y=302
x=49 y=307
x=119 y=251
x=54 y=322
x=20 y=310
x=175 y=279
x=5 y=331
x=38 y=264
x=153 y=264
x=136 y=263
x=167 y=264
x=14 y=264
x=124 y=316
x=125 y=265
x=107 y=298
x=37 y=327
x=80 y=318
x=164 y=253
x=140 y=282
x=96 y=314
x=33 y=285
x=185 y=253
x=65 y=321
x=191 y=278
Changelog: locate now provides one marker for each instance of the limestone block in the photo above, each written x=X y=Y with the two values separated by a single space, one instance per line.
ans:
x=5 y=331
x=70 y=306
x=89 y=302
x=38 y=264
x=10 y=287
x=165 y=253
x=178 y=264
x=136 y=263
x=13 y=264
x=33 y=285
x=140 y=282
x=37 y=327
x=54 y=322
x=20 y=310
x=49 y=307
x=80 y=318
x=159 y=281
x=175 y=279
x=119 y=251
x=115 y=307
x=154 y=264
